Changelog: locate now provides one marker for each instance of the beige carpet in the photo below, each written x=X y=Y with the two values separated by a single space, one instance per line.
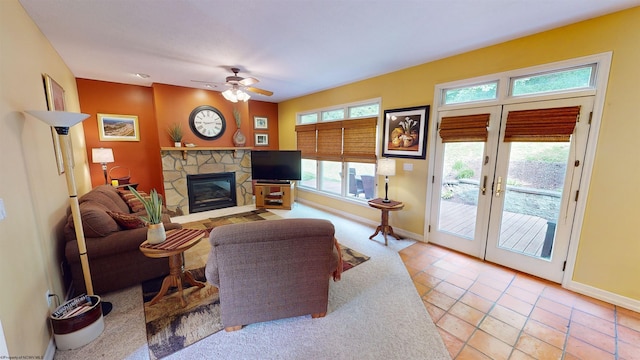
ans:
x=374 y=312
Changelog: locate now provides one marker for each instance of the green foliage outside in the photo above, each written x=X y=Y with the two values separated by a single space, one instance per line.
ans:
x=564 y=80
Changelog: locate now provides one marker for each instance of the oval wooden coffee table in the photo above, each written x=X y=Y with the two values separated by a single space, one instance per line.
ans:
x=177 y=242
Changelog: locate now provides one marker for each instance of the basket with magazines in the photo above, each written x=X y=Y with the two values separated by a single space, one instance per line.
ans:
x=77 y=322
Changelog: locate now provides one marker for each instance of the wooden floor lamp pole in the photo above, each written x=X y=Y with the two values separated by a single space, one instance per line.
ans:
x=75 y=212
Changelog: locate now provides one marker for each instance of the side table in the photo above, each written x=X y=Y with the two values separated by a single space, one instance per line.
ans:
x=384 y=226
x=177 y=242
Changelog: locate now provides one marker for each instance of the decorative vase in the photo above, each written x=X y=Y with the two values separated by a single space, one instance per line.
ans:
x=156 y=233
x=238 y=138
x=177 y=144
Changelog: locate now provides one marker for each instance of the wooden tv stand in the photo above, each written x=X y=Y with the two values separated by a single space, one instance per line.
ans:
x=274 y=196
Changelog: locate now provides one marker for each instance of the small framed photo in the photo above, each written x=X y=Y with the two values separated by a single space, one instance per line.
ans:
x=260 y=122
x=404 y=134
x=55 y=102
x=262 y=139
x=113 y=127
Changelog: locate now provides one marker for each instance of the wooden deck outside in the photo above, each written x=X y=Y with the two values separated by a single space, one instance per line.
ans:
x=520 y=233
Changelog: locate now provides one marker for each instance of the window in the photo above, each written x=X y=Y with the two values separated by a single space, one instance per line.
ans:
x=473 y=93
x=333 y=115
x=308 y=118
x=339 y=151
x=567 y=79
x=364 y=110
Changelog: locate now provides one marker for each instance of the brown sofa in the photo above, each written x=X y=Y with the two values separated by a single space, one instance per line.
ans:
x=267 y=270
x=115 y=261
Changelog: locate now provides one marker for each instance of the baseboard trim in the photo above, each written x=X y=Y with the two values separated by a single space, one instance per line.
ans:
x=51 y=350
x=612 y=298
x=403 y=233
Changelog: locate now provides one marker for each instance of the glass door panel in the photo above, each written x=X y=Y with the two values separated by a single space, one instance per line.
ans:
x=460 y=188
x=532 y=197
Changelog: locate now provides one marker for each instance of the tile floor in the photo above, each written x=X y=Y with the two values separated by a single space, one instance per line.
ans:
x=485 y=311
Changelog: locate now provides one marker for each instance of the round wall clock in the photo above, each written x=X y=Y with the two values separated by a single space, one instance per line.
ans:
x=207 y=122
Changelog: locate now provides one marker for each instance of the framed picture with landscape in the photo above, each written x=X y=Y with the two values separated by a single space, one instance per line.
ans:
x=113 y=127
x=260 y=122
x=405 y=132
x=55 y=102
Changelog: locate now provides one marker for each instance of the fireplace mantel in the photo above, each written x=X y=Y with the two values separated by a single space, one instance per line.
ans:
x=185 y=149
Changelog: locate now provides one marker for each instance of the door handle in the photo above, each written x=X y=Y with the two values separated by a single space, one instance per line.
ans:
x=499 y=186
x=484 y=185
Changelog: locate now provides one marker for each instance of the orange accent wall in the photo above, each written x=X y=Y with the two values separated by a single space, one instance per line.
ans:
x=173 y=104
x=157 y=107
x=270 y=111
x=142 y=157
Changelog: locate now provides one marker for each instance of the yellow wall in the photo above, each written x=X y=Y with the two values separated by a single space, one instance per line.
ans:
x=609 y=252
x=35 y=196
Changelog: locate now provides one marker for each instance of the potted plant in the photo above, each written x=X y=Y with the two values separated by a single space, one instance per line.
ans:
x=153 y=205
x=176 y=134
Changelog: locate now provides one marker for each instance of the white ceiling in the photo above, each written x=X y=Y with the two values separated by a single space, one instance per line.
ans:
x=294 y=47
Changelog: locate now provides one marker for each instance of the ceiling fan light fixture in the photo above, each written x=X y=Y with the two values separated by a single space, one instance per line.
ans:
x=235 y=95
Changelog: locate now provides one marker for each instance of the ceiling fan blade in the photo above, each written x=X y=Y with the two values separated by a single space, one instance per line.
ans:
x=260 y=91
x=248 y=81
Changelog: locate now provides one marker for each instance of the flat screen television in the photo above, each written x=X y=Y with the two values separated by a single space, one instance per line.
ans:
x=276 y=166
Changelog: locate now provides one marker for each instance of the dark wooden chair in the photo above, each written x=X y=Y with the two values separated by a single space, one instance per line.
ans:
x=368 y=185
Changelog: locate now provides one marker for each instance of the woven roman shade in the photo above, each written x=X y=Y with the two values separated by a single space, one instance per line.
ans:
x=329 y=141
x=541 y=125
x=306 y=138
x=360 y=140
x=464 y=128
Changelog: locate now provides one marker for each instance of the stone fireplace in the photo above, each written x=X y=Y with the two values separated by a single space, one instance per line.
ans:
x=178 y=164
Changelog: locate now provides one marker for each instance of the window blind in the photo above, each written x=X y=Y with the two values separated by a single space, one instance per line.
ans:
x=306 y=138
x=346 y=140
x=465 y=128
x=360 y=140
x=329 y=141
x=541 y=125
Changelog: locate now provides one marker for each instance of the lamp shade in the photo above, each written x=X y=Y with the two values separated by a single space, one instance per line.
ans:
x=102 y=155
x=62 y=119
x=387 y=167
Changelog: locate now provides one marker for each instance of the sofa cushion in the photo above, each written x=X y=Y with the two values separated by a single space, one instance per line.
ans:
x=132 y=201
x=127 y=221
x=95 y=220
x=106 y=195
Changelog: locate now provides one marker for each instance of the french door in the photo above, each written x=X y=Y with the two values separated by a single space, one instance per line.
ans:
x=508 y=180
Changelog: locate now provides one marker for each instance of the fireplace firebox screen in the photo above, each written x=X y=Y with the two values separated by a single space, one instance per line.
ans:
x=211 y=191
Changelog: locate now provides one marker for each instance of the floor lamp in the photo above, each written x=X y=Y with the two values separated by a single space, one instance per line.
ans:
x=62 y=121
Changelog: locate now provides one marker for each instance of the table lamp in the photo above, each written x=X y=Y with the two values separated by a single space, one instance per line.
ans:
x=62 y=121
x=386 y=167
x=102 y=156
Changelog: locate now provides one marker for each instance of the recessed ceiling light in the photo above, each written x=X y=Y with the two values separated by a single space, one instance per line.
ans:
x=143 y=76
x=209 y=86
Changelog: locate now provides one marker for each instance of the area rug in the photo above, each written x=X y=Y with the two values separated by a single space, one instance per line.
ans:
x=170 y=327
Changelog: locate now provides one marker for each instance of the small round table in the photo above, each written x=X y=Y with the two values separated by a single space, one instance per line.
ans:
x=384 y=226
x=177 y=242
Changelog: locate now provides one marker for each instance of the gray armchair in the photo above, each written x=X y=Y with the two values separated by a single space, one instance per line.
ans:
x=267 y=270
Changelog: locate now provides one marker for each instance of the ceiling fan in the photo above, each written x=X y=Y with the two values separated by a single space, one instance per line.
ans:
x=236 y=86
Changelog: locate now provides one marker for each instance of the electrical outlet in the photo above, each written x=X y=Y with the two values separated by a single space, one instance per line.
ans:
x=48 y=296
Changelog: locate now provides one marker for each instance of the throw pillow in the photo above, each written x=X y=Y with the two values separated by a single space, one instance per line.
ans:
x=134 y=204
x=127 y=221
